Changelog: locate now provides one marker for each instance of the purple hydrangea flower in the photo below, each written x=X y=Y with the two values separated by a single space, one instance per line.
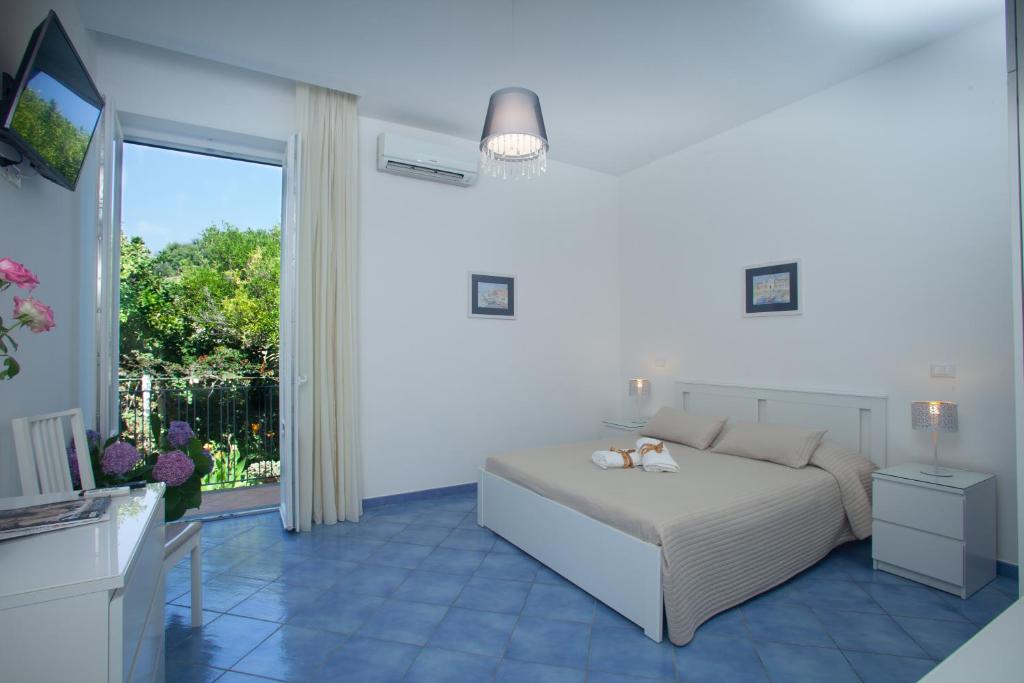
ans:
x=76 y=476
x=173 y=468
x=91 y=437
x=119 y=458
x=179 y=433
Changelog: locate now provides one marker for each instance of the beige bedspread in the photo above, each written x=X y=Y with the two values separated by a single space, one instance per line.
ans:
x=729 y=527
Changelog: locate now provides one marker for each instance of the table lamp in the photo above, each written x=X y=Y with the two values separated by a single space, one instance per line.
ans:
x=934 y=417
x=639 y=388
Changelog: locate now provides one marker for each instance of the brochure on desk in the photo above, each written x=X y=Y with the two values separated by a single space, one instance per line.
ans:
x=38 y=519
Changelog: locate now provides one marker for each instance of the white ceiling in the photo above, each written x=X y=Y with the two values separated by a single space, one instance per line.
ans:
x=621 y=83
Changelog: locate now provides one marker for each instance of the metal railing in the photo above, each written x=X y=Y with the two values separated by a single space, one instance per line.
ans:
x=237 y=421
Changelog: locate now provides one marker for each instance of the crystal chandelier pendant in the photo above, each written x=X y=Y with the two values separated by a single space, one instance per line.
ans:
x=514 y=142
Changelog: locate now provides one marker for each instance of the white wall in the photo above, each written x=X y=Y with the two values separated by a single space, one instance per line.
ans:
x=50 y=230
x=140 y=79
x=440 y=390
x=892 y=189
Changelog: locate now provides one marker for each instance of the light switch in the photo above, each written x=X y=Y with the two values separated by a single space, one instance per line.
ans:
x=659 y=362
x=946 y=371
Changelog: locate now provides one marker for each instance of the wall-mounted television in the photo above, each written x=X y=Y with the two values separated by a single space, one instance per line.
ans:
x=51 y=107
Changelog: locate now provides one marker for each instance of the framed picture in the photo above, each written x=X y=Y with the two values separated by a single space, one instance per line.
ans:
x=492 y=296
x=772 y=289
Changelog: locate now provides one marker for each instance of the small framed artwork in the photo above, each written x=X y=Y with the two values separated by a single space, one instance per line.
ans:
x=772 y=289
x=492 y=296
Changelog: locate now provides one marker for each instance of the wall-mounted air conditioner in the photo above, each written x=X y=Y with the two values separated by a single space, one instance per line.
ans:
x=427 y=160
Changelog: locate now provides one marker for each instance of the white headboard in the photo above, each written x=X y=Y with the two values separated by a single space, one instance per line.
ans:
x=856 y=421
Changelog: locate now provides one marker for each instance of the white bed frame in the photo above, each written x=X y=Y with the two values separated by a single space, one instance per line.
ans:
x=624 y=572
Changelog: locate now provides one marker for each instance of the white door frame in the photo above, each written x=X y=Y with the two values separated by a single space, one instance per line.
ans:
x=288 y=373
x=108 y=267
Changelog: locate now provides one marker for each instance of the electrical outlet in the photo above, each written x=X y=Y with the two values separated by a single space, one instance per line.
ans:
x=946 y=371
x=12 y=175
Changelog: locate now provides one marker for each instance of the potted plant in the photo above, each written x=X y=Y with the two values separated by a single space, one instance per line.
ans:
x=178 y=460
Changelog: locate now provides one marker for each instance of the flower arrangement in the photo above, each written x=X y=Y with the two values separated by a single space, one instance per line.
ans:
x=28 y=312
x=179 y=460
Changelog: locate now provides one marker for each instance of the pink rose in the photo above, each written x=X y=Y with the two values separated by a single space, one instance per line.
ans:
x=17 y=274
x=33 y=314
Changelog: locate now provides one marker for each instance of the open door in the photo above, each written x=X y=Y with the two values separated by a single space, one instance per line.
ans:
x=108 y=269
x=289 y=307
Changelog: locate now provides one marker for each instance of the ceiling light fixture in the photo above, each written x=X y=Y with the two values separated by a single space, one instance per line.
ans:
x=514 y=143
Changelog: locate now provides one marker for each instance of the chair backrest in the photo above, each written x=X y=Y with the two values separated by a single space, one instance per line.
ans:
x=41 y=445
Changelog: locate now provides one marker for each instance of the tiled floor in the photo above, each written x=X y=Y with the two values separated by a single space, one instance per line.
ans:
x=417 y=592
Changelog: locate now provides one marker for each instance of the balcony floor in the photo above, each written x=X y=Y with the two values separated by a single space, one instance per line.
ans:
x=216 y=503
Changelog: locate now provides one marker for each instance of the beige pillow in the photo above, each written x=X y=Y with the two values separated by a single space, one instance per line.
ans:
x=783 y=444
x=679 y=426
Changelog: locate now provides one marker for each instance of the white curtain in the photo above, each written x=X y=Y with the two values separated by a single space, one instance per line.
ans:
x=328 y=458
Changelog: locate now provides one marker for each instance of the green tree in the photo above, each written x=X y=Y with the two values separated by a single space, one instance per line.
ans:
x=152 y=330
x=223 y=291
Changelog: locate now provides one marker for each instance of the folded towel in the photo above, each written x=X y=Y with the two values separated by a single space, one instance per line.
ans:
x=654 y=456
x=616 y=457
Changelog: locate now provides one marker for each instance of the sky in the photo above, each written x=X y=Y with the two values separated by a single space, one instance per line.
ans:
x=170 y=196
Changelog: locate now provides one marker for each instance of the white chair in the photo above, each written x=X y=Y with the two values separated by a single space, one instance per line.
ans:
x=43 y=465
x=181 y=538
x=41 y=445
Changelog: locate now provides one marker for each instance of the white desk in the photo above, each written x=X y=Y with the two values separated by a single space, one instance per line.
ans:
x=86 y=603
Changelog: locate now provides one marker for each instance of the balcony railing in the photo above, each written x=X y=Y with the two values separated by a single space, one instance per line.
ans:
x=237 y=420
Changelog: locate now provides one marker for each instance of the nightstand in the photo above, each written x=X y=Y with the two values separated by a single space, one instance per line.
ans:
x=937 y=531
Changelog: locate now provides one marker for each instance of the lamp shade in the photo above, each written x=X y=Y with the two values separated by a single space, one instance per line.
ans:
x=514 y=141
x=638 y=386
x=934 y=416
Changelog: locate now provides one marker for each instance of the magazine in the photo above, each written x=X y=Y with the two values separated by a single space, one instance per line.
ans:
x=37 y=519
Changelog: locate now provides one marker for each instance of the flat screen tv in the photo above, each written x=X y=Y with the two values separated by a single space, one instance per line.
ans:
x=51 y=107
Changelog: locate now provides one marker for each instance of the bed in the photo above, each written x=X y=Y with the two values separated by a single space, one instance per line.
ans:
x=692 y=544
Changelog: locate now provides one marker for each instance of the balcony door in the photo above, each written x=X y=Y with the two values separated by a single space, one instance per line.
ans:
x=204 y=262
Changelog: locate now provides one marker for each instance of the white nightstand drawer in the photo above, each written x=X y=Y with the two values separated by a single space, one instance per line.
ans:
x=919 y=551
x=919 y=507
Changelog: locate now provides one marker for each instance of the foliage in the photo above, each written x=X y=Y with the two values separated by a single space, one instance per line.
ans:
x=151 y=326
x=229 y=468
x=57 y=140
x=207 y=309
x=203 y=317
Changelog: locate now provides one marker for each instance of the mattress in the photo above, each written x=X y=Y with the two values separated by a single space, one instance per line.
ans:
x=729 y=527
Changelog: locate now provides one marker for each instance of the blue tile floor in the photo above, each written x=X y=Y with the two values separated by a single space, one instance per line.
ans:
x=417 y=592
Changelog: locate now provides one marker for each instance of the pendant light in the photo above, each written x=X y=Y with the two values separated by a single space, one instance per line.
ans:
x=514 y=143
